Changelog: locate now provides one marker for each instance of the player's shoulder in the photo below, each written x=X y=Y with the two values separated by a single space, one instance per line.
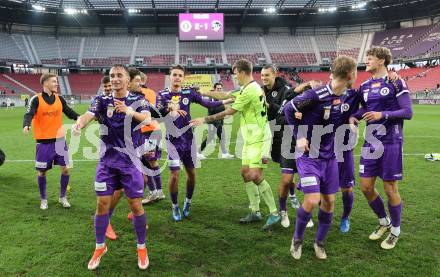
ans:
x=134 y=96
x=187 y=90
x=365 y=83
x=164 y=92
x=253 y=88
x=319 y=92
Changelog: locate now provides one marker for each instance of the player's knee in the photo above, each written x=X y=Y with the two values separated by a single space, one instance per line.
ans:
x=367 y=188
x=153 y=164
x=328 y=205
x=391 y=189
x=136 y=206
x=347 y=190
x=41 y=173
x=311 y=202
x=65 y=171
x=102 y=206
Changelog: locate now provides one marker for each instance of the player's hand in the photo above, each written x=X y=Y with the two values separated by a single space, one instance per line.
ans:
x=228 y=101
x=372 y=116
x=354 y=123
x=182 y=113
x=314 y=84
x=120 y=106
x=298 y=115
x=393 y=76
x=197 y=121
x=26 y=130
x=303 y=144
x=76 y=129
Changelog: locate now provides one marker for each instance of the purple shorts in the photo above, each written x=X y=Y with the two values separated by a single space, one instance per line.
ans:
x=48 y=154
x=388 y=167
x=185 y=152
x=318 y=175
x=346 y=170
x=151 y=146
x=108 y=179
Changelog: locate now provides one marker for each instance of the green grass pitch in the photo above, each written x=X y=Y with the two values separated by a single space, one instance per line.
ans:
x=59 y=242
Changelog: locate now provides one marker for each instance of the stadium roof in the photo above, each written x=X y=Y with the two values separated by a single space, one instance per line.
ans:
x=238 y=13
x=190 y=4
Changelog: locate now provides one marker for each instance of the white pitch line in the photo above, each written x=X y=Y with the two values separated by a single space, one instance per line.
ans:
x=28 y=161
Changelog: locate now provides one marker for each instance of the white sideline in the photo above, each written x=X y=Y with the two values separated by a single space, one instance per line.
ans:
x=28 y=161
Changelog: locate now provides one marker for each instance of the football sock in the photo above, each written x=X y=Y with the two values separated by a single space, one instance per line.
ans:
x=101 y=223
x=42 y=186
x=267 y=195
x=253 y=196
x=378 y=207
x=324 y=224
x=64 y=181
x=347 y=201
x=302 y=218
x=282 y=201
x=395 y=214
x=140 y=227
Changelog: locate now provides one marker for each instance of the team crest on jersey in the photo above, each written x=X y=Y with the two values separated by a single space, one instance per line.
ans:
x=345 y=107
x=185 y=101
x=384 y=91
x=274 y=93
x=110 y=110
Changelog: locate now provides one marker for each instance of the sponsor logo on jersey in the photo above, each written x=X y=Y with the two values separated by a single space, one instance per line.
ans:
x=110 y=110
x=327 y=112
x=375 y=85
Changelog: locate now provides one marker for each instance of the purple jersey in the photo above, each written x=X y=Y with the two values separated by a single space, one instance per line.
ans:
x=379 y=95
x=166 y=99
x=322 y=107
x=103 y=109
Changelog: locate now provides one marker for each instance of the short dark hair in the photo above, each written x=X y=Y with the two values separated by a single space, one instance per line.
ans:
x=133 y=72
x=178 y=67
x=121 y=66
x=216 y=84
x=105 y=80
x=271 y=67
x=45 y=77
x=382 y=53
x=243 y=65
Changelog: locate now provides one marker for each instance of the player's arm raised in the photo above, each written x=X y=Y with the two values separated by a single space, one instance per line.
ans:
x=219 y=95
x=214 y=117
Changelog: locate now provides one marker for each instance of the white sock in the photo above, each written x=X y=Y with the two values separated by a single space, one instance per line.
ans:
x=395 y=231
x=140 y=246
x=384 y=221
x=159 y=191
x=100 y=245
x=153 y=192
x=187 y=200
x=175 y=205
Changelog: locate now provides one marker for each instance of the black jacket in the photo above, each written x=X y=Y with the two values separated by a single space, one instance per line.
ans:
x=276 y=97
